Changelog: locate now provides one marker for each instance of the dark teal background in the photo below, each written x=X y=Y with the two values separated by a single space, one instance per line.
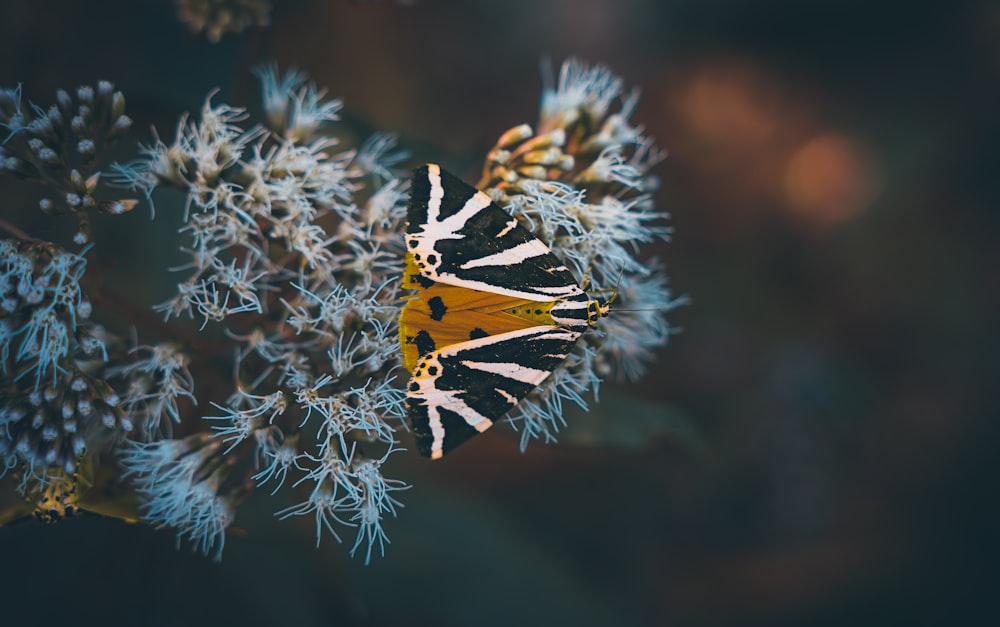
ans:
x=817 y=447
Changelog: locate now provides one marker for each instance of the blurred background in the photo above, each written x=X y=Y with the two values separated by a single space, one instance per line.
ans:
x=816 y=446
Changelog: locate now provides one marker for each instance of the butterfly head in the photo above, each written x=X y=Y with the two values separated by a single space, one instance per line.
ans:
x=597 y=310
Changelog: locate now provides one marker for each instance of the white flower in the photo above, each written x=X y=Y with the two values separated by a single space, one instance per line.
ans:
x=276 y=92
x=157 y=378
x=590 y=89
x=169 y=476
x=247 y=414
x=378 y=155
x=309 y=110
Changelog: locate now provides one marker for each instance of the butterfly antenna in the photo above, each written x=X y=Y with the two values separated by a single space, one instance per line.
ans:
x=614 y=292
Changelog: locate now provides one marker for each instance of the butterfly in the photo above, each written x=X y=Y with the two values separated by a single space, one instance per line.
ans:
x=492 y=314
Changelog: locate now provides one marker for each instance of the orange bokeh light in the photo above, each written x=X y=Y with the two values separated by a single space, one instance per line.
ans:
x=830 y=179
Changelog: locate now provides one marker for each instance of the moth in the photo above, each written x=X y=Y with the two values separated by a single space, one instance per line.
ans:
x=492 y=314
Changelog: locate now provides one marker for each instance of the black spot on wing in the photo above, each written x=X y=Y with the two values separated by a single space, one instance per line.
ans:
x=424 y=281
x=423 y=341
x=477 y=333
x=421 y=280
x=437 y=307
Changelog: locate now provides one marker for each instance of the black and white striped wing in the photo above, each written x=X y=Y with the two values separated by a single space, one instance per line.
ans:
x=457 y=392
x=458 y=236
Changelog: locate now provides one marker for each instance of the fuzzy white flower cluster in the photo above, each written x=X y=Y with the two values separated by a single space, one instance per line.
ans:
x=581 y=181
x=194 y=504
x=293 y=251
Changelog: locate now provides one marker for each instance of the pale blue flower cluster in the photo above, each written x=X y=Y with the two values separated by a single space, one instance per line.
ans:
x=294 y=251
x=180 y=491
x=53 y=294
x=53 y=401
